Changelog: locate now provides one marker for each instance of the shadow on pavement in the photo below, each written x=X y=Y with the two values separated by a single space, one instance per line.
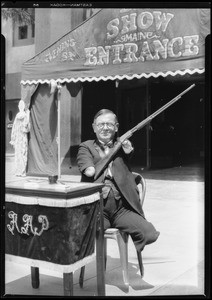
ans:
x=114 y=277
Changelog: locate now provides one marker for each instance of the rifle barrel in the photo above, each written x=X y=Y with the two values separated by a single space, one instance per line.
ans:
x=100 y=166
x=171 y=101
x=157 y=112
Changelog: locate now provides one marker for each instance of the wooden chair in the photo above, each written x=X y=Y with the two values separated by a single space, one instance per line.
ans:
x=122 y=240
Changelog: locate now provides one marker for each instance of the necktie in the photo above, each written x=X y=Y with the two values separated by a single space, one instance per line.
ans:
x=106 y=149
x=107 y=146
x=108 y=171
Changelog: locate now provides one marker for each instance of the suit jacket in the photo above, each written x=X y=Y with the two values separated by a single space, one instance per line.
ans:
x=88 y=155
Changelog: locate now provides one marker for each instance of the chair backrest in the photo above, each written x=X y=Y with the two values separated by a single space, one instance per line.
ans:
x=141 y=183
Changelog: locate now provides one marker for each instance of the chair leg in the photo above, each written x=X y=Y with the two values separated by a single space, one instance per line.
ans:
x=68 y=284
x=35 y=277
x=81 y=277
x=140 y=263
x=123 y=250
x=105 y=246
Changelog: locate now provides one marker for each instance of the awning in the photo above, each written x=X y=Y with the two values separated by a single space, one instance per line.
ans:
x=125 y=43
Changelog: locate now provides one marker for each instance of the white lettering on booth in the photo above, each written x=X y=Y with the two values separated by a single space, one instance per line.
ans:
x=160 y=48
x=142 y=21
x=103 y=55
x=162 y=22
x=116 y=49
x=90 y=58
x=190 y=47
x=112 y=26
x=28 y=227
x=178 y=41
x=128 y=23
x=131 y=49
x=145 y=20
x=149 y=27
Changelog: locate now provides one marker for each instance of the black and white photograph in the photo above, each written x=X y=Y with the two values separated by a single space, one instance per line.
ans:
x=105 y=149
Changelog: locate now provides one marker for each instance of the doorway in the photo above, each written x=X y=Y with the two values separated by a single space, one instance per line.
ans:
x=178 y=133
x=96 y=96
x=131 y=110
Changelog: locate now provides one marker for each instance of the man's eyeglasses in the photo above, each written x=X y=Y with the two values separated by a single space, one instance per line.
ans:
x=102 y=125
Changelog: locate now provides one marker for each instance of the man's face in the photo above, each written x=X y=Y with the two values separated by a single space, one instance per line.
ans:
x=105 y=127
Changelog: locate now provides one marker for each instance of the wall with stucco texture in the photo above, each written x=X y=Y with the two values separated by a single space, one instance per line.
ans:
x=14 y=56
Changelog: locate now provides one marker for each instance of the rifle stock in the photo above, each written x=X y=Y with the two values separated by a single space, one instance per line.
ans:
x=103 y=163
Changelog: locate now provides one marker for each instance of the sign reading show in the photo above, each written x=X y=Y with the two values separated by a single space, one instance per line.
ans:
x=139 y=37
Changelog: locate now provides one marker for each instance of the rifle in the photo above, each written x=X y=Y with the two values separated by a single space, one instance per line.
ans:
x=103 y=163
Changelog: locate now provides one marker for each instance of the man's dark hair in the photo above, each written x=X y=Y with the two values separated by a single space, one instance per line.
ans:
x=104 y=111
